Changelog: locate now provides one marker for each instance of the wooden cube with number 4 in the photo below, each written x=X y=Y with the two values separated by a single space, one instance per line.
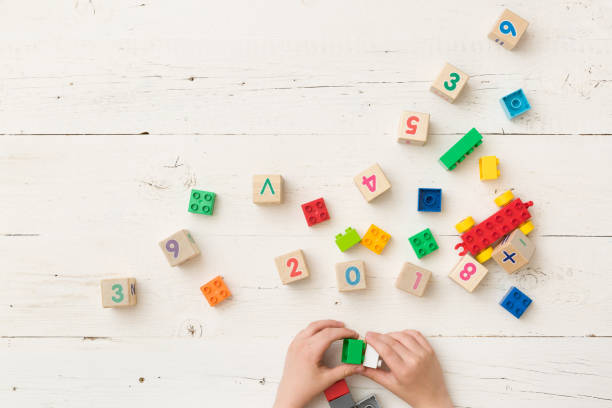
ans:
x=508 y=29
x=449 y=84
x=179 y=248
x=413 y=128
x=372 y=182
x=118 y=292
x=291 y=267
x=413 y=279
x=468 y=273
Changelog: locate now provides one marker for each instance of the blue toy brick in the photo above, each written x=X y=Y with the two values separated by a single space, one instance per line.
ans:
x=430 y=199
x=368 y=402
x=515 y=301
x=515 y=104
x=345 y=401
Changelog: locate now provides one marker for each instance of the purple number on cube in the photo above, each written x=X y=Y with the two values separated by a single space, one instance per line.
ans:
x=172 y=246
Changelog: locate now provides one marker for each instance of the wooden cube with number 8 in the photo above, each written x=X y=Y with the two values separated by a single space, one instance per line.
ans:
x=468 y=273
x=508 y=29
x=449 y=84
x=118 y=292
x=413 y=128
x=179 y=248
x=372 y=182
x=413 y=279
x=291 y=267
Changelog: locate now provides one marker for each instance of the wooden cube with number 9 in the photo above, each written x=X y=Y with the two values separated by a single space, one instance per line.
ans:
x=508 y=29
x=291 y=267
x=179 y=248
x=372 y=182
x=449 y=84
x=413 y=279
x=413 y=128
x=468 y=273
x=118 y=292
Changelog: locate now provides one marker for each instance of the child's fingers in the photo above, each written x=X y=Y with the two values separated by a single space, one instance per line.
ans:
x=409 y=342
x=382 y=377
x=330 y=334
x=343 y=371
x=384 y=346
x=418 y=336
x=319 y=325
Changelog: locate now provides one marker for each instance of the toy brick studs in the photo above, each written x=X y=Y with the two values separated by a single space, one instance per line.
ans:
x=449 y=84
x=515 y=104
x=315 y=212
x=488 y=168
x=351 y=276
x=368 y=402
x=413 y=128
x=462 y=148
x=375 y=239
x=514 y=251
x=268 y=189
x=423 y=243
x=179 y=248
x=508 y=29
x=468 y=273
x=348 y=240
x=430 y=199
x=372 y=182
x=118 y=292
x=215 y=291
x=291 y=267
x=201 y=202
x=353 y=351
x=413 y=279
x=515 y=302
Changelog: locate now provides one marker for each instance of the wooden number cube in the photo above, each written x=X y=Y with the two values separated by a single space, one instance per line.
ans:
x=508 y=29
x=468 y=273
x=179 y=248
x=413 y=128
x=372 y=182
x=449 y=83
x=413 y=279
x=118 y=292
x=514 y=251
x=291 y=267
x=268 y=189
x=351 y=275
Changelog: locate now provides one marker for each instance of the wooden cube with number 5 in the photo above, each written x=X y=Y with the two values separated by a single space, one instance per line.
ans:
x=179 y=248
x=413 y=279
x=118 y=292
x=508 y=29
x=468 y=273
x=291 y=267
x=449 y=84
x=372 y=182
x=413 y=128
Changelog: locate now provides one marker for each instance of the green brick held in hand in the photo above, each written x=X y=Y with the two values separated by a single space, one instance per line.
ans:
x=202 y=202
x=423 y=243
x=350 y=238
x=352 y=351
x=462 y=148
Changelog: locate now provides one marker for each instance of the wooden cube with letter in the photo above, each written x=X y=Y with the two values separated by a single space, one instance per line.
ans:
x=514 y=252
x=267 y=189
x=118 y=292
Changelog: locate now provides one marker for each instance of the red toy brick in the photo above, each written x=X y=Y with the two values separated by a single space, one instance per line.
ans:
x=494 y=228
x=315 y=212
x=337 y=390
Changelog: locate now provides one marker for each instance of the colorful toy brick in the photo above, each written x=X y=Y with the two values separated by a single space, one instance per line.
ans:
x=371 y=358
x=423 y=243
x=291 y=267
x=514 y=251
x=516 y=302
x=466 y=145
x=478 y=240
x=348 y=240
x=345 y=401
x=430 y=199
x=468 y=273
x=368 y=402
x=179 y=248
x=413 y=279
x=337 y=390
x=201 y=202
x=413 y=128
x=315 y=211
x=508 y=29
x=372 y=182
x=488 y=168
x=268 y=189
x=215 y=291
x=449 y=84
x=351 y=275
x=515 y=104
x=353 y=351
x=375 y=239
x=118 y=292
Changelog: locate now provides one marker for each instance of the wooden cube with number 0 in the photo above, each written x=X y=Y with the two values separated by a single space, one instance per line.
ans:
x=118 y=292
x=372 y=182
x=179 y=248
x=291 y=267
x=468 y=273
x=413 y=128
x=413 y=279
x=449 y=84
x=508 y=29
x=351 y=276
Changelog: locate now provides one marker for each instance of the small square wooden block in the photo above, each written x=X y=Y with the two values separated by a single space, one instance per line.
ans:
x=118 y=292
x=468 y=273
x=291 y=267
x=413 y=128
x=179 y=248
x=351 y=275
x=372 y=182
x=449 y=84
x=268 y=189
x=413 y=279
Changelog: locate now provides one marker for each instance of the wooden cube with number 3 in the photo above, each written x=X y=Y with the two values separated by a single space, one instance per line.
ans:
x=413 y=279
x=413 y=128
x=179 y=248
x=468 y=273
x=118 y=292
x=372 y=182
x=291 y=267
x=351 y=276
x=508 y=29
x=449 y=84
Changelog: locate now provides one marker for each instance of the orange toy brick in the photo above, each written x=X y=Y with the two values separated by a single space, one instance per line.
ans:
x=215 y=291
x=375 y=239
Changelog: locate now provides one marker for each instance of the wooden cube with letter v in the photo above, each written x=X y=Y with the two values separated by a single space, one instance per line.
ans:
x=351 y=276
x=291 y=267
x=268 y=189
x=372 y=182
x=118 y=292
x=179 y=248
x=413 y=128
x=514 y=251
x=449 y=84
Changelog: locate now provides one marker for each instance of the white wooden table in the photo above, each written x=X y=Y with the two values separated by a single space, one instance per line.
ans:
x=110 y=111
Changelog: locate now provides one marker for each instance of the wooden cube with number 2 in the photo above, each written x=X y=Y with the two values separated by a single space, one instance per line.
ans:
x=372 y=182
x=468 y=273
x=291 y=267
x=179 y=248
x=118 y=292
x=413 y=279
x=351 y=276
x=508 y=29
x=413 y=128
x=449 y=84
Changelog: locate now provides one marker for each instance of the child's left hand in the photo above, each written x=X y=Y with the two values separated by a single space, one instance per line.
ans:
x=305 y=375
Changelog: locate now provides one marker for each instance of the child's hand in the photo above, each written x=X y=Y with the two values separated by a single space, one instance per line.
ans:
x=415 y=374
x=304 y=375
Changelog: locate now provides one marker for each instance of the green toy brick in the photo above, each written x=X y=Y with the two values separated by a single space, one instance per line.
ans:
x=202 y=202
x=423 y=243
x=462 y=148
x=350 y=238
x=352 y=351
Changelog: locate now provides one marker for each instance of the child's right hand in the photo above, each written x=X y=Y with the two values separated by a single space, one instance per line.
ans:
x=415 y=374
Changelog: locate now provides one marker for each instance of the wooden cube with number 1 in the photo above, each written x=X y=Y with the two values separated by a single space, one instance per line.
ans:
x=372 y=182
x=413 y=279
x=413 y=128
x=291 y=267
x=468 y=273
x=179 y=248
x=118 y=292
x=508 y=29
x=449 y=84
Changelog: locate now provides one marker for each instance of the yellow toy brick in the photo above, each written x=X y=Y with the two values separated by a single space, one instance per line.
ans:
x=375 y=239
x=488 y=168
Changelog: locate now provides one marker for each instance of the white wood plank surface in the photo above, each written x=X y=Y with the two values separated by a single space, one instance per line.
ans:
x=311 y=90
